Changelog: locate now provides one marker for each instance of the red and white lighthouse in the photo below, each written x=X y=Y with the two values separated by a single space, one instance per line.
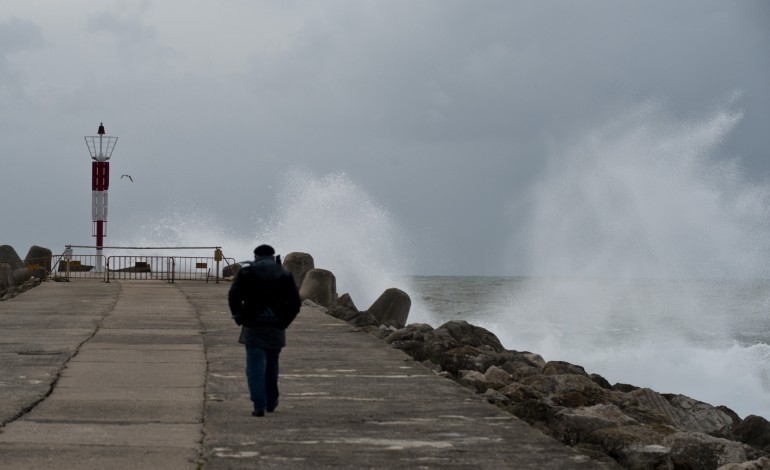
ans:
x=100 y=147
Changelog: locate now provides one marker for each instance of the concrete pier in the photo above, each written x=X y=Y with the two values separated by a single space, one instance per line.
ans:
x=146 y=374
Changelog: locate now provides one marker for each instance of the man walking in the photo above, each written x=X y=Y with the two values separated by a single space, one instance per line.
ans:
x=264 y=300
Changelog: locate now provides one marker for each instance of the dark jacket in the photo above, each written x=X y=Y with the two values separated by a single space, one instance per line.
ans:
x=264 y=300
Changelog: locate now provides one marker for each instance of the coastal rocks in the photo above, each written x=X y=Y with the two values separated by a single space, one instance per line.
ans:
x=755 y=431
x=637 y=427
x=392 y=308
x=6 y=276
x=40 y=257
x=17 y=276
x=320 y=286
x=298 y=264
x=697 y=450
x=9 y=255
x=759 y=464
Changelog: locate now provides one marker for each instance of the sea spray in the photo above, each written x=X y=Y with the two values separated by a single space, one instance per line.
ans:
x=641 y=237
x=329 y=216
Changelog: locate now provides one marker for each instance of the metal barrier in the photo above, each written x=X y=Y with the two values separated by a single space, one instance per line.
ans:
x=77 y=266
x=125 y=267
x=166 y=268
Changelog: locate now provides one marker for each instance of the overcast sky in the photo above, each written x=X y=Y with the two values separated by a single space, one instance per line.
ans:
x=439 y=129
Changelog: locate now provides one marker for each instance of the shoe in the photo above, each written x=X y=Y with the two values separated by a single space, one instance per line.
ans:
x=258 y=413
x=270 y=409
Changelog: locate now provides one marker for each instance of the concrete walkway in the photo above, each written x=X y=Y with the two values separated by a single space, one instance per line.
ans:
x=145 y=374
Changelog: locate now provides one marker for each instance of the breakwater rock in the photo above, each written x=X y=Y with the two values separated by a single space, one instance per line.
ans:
x=17 y=275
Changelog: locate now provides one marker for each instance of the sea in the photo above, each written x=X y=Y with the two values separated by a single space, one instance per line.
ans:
x=706 y=339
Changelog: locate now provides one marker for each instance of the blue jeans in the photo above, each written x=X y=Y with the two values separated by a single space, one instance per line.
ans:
x=262 y=376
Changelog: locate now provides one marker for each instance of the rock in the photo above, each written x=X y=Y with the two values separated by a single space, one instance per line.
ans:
x=520 y=370
x=9 y=255
x=38 y=259
x=561 y=367
x=535 y=359
x=495 y=397
x=343 y=308
x=411 y=340
x=636 y=446
x=571 y=390
x=576 y=425
x=700 y=451
x=754 y=431
x=298 y=264
x=364 y=319
x=601 y=381
x=231 y=270
x=759 y=464
x=462 y=333
x=6 y=277
x=497 y=378
x=473 y=379
x=625 y=388
x=520 y=393
x=682 y=413
x=320 y=286
x=392 y=307
x=701 y=417
x=21 y=275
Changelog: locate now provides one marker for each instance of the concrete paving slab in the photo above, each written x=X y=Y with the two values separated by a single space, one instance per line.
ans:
x=115 y=411
x=164 y=435
x=61 y=457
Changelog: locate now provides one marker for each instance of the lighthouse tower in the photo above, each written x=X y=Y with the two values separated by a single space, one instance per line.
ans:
x=100 y=147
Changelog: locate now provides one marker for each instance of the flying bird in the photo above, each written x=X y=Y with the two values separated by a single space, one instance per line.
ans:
x=129 y=177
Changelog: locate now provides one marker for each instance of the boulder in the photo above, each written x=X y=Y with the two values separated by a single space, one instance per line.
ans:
x=392 y=308
x=497 y=378
x=576 y=425
x=681 y=413
x=320 y=286
x=519 y=370
x=21 y=275
x=561 y=368
x=571 y=390
x=636 y=446
x=701 y=417
x=9 y=255
x=754 y=431
x=6 y=277
x=231 y=270
x=762 y=463
x=39 y=260
x=455 y=346
x=344 y=308
x=700 y=451
x=298 y=264
x=364 y=319
x=473 y=379
x=461 y=333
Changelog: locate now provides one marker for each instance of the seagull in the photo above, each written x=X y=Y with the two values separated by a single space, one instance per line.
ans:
x=129 y=177
x=101 y=128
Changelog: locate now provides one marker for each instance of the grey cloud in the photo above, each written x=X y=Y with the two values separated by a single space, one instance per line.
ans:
x=18 y=35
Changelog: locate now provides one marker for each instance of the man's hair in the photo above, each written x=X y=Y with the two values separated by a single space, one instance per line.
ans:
x=264 y=250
